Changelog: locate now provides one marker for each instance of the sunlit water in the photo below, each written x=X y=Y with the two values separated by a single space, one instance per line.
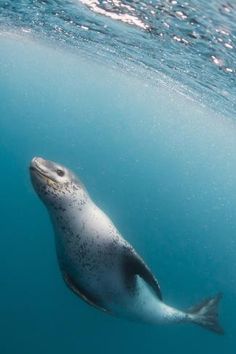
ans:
x=138 y=99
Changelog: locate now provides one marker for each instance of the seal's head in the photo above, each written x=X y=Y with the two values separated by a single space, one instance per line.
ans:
x=56 y=185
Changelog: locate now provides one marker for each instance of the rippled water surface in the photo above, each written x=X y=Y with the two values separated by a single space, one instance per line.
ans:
x=190 y=41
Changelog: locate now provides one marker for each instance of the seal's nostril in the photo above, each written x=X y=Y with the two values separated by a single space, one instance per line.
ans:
x=37 y=161
x=41 y=161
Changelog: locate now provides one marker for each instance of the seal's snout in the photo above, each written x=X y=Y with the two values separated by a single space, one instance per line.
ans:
x=38 y=164
x=37 y=161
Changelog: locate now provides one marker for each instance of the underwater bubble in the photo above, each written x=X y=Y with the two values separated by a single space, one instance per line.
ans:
x=181 y=15
x=217 y=61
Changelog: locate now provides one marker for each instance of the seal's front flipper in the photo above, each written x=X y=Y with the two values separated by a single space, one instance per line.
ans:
x=206 y=314
x=83 y=294
x=134 y=265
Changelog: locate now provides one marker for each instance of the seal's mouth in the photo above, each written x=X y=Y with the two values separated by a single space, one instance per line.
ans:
x=35 y=168
x=39 y=172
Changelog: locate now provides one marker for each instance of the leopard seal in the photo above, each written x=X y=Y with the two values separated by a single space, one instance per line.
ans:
x=97 y=263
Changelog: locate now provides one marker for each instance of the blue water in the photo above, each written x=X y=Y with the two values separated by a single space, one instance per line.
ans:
x=157 y=154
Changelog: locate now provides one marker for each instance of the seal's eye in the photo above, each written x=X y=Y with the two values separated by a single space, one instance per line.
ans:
x=60 y=173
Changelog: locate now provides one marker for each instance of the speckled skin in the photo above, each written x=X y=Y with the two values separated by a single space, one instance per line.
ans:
x=95 y=261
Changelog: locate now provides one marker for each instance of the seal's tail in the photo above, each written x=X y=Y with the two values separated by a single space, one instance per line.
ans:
x=206 y=314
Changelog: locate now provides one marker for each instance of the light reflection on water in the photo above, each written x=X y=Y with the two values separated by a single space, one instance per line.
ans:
x=191 y=42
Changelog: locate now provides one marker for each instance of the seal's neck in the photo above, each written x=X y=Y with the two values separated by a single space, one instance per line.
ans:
x=70 y=207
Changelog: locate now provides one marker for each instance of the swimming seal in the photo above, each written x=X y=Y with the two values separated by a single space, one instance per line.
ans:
x=97 y=263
